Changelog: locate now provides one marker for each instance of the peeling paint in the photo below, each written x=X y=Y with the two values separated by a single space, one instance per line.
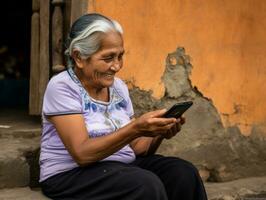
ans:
x=221 y=153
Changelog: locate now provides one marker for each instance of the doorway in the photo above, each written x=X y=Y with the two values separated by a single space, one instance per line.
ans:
x=15 y=34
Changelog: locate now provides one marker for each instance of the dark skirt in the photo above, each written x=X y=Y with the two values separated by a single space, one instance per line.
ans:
x=152 y=177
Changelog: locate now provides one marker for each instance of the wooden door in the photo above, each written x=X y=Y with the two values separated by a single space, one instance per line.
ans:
x=50 y=23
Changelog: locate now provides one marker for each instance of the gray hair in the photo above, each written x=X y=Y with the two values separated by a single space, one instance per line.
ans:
x=85 y=35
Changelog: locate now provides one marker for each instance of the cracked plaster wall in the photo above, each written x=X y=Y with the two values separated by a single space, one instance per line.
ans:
x=227 y=48
x=226 y=40
x=221 y=153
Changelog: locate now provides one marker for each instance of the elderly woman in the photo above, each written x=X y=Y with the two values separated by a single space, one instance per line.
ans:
x=92 y=147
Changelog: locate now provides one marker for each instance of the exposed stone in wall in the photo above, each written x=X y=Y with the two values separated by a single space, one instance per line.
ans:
x=220 y=153
x=176 y=75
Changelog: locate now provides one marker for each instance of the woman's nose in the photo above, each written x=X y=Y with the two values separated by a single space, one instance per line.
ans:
x=116 y=66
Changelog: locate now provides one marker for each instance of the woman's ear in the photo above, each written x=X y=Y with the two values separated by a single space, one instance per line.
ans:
x=77 y=59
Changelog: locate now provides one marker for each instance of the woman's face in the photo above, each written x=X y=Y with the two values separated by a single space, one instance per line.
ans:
x=99 y=70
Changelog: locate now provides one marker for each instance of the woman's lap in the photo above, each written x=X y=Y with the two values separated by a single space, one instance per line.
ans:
x=104 y=181
x=152 y=177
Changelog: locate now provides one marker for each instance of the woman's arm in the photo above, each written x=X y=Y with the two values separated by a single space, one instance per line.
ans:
x=146 y=145
x=85 y=150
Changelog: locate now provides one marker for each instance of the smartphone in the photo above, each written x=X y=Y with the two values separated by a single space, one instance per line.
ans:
x=178 y=109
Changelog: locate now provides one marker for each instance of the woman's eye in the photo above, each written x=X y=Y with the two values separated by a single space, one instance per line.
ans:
x=120 y=57
x=108 y=59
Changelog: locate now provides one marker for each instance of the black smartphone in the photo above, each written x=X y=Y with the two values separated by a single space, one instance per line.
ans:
x=178 y=109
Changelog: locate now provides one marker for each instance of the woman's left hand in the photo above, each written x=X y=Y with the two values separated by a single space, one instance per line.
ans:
x=175 y=129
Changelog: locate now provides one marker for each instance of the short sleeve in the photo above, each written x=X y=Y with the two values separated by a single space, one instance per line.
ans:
x=122 y=89
x=60 y=99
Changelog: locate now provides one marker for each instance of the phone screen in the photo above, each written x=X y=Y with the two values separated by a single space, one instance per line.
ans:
x=178 y=109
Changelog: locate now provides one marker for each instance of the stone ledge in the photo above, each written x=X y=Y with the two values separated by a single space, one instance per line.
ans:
x=14 y=167
x=24 y=193
x=242 y=189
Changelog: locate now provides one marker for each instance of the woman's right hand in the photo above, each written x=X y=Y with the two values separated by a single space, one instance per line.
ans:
x=152 y=124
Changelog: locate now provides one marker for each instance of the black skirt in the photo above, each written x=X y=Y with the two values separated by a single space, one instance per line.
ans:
x=152 y=177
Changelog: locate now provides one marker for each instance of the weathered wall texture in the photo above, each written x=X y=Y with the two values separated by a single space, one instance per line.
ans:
x=226 y=40
x=220 y=153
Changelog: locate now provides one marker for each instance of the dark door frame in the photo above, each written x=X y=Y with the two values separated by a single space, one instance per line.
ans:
x=50 y=23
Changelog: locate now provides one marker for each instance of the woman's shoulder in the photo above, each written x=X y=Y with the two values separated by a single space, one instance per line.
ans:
x=63 y=79
x=61 y=83
x=120 y=87
x=119 y=83
x=60 y=77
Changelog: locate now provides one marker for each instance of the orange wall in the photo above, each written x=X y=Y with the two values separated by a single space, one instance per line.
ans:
x=226 y=40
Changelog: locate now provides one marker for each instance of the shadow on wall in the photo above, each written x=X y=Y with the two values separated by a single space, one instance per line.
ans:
x=220 y=153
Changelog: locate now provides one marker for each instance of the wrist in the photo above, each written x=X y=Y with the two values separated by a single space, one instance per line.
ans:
x=134 y=128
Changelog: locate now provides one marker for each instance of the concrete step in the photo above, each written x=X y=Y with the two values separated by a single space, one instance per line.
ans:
x=18 y=124
x=19 y=143
x=17 y=156
x=242 y=189
x=24 y=193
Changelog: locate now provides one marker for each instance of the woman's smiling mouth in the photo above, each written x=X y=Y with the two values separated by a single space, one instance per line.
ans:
x=109 y=75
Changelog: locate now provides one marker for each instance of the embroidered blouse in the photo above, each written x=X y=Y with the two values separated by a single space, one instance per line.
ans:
x=65 y=95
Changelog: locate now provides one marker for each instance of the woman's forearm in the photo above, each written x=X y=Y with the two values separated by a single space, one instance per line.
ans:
x=155 y=143
x=85 y=150
x=95 y=149
x=146 y=145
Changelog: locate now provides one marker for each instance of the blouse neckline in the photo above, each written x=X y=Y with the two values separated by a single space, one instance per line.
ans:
x=114 y=96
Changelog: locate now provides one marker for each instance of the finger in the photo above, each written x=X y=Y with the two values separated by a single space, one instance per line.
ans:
x=167 y=127
x=161 y=130
x=178 y=128
x=178 y=120
x=162 y=121
x=158 y=113
x=182 y=119
x=173 y=131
